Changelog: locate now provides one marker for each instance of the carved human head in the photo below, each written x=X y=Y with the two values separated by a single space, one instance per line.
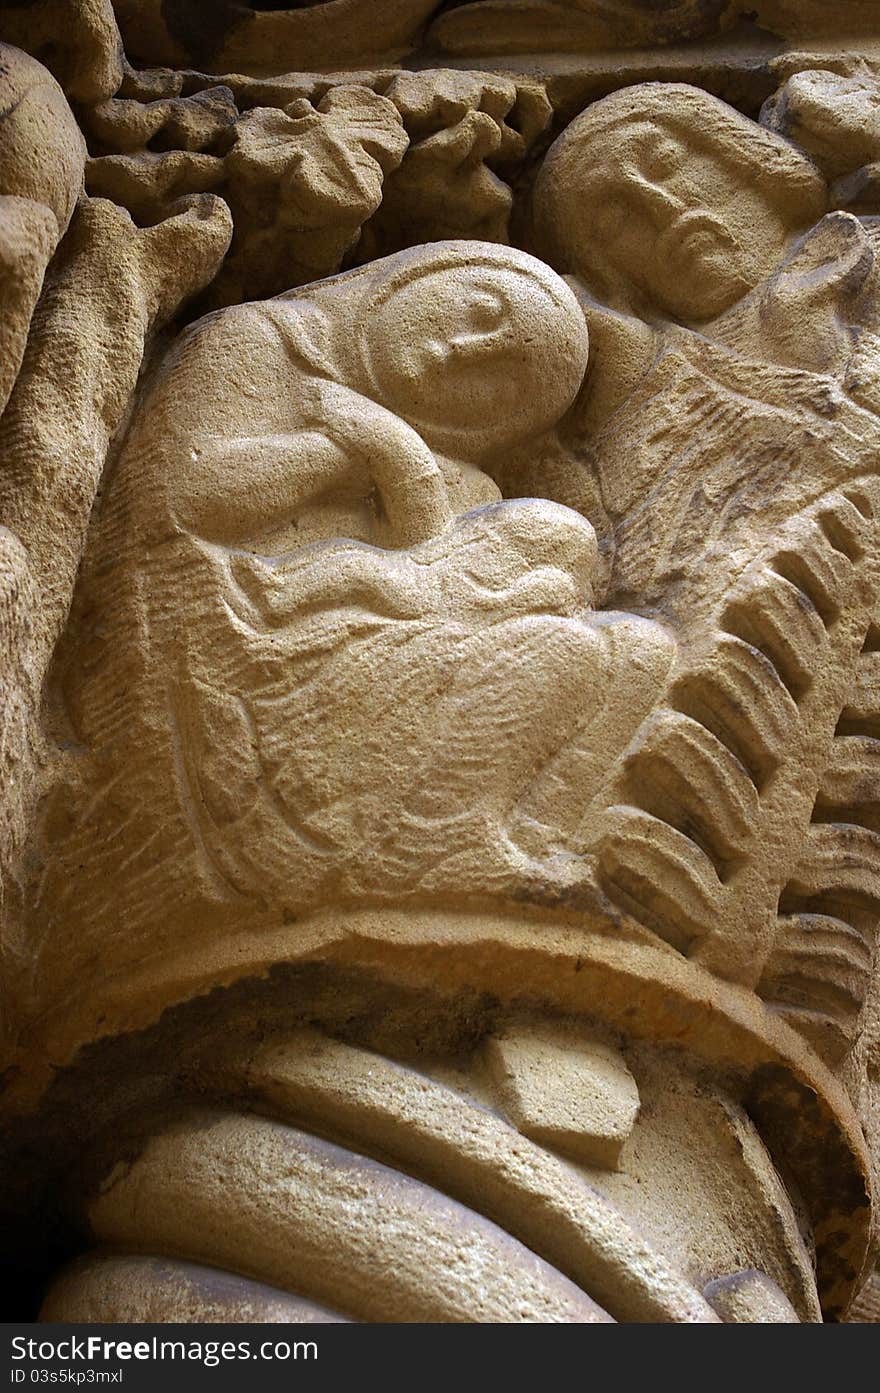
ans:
x=338 y=721
x=663 y=199
x=475 y=346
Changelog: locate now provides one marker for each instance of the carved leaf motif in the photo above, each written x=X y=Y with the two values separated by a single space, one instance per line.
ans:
x=468 y=134
x=818 y=971
x=724 y=781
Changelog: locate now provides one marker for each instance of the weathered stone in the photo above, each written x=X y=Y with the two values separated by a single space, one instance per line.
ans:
x=576 y=1095
x=439 y=684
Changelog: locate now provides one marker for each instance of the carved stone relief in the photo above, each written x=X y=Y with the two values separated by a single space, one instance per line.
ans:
x=439 y=625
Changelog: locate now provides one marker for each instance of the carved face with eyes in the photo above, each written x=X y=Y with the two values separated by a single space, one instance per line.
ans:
x=672 y=201
x=679 y=223
x=475 y=356
x=315 y=715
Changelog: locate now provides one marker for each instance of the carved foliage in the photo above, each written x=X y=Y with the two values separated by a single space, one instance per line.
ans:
x=467 y=132
x=719 y=791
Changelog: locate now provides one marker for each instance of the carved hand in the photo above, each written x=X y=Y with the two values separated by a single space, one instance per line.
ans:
x=404 y=469
x=247 y=486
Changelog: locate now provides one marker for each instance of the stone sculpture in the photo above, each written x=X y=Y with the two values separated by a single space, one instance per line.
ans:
x=440 y=619
x=723 y=523
x=43 y=159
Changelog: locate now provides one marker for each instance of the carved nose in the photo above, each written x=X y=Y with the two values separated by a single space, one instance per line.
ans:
x=663 y=205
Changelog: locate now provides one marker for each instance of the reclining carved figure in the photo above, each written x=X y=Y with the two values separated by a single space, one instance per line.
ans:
x=492 y=859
